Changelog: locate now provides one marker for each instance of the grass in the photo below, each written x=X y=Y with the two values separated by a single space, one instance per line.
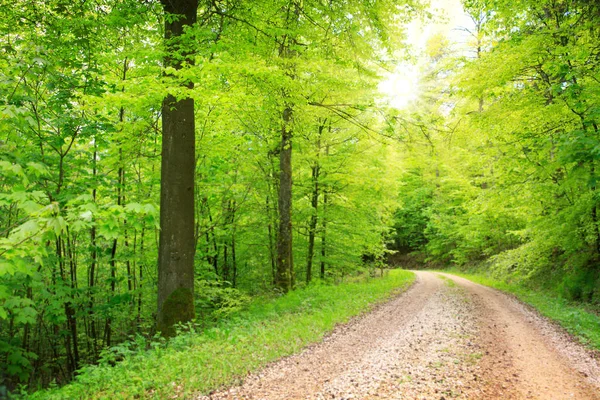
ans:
x=573 y=317
x=200 y=362
x=449 y=282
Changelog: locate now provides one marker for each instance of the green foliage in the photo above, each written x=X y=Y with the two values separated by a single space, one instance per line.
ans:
x=81 y=90
x=412 y=217
x=196 y=361
x=216 y=300
x=506 y=144
x=581 y=285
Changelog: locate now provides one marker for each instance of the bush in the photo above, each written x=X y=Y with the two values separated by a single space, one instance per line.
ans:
x=582 y=284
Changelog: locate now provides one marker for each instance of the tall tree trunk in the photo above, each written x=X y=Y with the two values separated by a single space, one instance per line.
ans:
x=284 y=277
x=71 y=309
x=271 y=245
x=324 y=237
x=479 y=27
x=94 y=260
x=285 y=266
x=61 y=255
x=176 y=243
x=324 y=231
x=113 y=250
x=225 y=269
x=312 y=226
x=233 y=259
x=232 y=207
x=130 y=276
x=212 y=255
x=314 y=201
x=113 y=290
x=141 y=277
x=272 y=213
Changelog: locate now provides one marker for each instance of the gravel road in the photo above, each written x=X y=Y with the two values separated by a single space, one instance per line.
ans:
x=444 y=338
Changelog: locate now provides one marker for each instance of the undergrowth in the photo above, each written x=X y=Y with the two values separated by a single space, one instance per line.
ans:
x=574 y=317
x=198 y=361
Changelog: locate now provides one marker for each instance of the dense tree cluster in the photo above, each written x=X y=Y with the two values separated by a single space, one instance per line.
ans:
x=162 y=161
x=96 y=94
x=502 y=159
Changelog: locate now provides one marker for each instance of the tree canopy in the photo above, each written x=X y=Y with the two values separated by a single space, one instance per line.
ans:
x=96 y=96
x=163 y=161
x=506 y=173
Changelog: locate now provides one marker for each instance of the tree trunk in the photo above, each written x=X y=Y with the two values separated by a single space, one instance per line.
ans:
x=141 y=277
x=176 y=243
x=113 y=291
x=94 y=260
x=324 y=237
x=73 y=316
x=225 y=269
x=271 y=245
x=113 y=251
x=314 y=201
x=324 y=231
x=312 y=227
x=212 y=255
x=285 y=266
x=233 y=232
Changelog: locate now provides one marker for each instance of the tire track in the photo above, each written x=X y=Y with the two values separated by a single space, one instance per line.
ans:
x=443 y=338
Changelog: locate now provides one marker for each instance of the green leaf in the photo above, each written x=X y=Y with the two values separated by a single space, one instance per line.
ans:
x=6 y=268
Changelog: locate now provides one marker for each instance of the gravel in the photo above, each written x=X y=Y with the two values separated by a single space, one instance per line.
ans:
x=441 y=339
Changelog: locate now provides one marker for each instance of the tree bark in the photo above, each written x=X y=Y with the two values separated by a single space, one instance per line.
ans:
x=271 y=244
x=141 y=277
x=324 y=237
x=314 y=201
x=94 y=260
x=312 y=227
x=177 y=242
x=285 y=265
x=233 y=256
x=324 y=231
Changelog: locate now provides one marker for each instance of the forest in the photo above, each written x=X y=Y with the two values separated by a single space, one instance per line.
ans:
x=163 y=163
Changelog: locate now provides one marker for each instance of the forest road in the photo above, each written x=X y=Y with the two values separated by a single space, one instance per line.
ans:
x=444 y=338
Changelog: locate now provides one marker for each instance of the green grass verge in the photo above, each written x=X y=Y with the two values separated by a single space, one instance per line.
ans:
x=267 y=330
x=573 y=317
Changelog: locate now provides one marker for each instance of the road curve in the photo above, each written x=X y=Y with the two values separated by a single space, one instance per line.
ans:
x=443 y=338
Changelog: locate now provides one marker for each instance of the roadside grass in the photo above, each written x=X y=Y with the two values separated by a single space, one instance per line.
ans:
x=573 y=317
x=198 y=362
x=449 y=282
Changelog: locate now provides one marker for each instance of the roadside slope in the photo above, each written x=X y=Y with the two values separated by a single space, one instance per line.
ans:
x=202 y=360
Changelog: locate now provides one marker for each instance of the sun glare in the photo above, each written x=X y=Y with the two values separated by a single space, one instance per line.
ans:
x=401 y=87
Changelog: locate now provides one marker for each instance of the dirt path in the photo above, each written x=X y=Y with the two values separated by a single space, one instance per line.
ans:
x=444 y=338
